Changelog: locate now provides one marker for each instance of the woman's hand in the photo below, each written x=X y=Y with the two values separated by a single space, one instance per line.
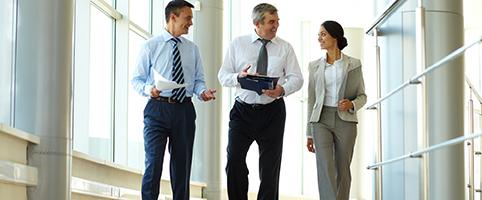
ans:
x=309 y=145
x=345 y=105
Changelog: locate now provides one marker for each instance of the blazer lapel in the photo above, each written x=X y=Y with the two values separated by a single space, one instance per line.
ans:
x=320 y=74
x=346 y=68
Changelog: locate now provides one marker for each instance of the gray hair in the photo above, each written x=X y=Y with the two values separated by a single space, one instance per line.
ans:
x=260 y=9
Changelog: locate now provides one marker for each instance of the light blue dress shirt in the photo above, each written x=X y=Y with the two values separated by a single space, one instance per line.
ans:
x=156 y=57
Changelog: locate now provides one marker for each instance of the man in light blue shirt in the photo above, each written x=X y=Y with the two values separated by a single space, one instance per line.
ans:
x=170 y=114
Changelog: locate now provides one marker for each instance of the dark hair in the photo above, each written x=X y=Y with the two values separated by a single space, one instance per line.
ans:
x=174 y=7
x=336 y=31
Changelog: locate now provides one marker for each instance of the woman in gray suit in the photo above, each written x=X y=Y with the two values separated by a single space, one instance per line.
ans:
x=335 y=92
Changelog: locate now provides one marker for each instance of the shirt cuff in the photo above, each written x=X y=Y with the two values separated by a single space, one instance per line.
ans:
x=199 y=97
x=147 y=89
x=236 y=79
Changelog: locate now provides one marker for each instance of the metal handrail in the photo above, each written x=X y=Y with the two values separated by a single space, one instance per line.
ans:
x=471 y=86
x=415 y=78
x=382 y=17
x=417 y=154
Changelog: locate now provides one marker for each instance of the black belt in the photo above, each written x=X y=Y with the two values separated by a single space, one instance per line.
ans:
x=171 y=100
x=257 y=106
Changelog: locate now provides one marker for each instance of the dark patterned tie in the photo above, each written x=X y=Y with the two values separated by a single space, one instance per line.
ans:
x=177 y=75
x=262 y=63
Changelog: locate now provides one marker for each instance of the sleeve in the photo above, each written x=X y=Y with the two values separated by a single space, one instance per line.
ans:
x=311 y=102
x=227 y=75
x=293 y=76
x=352 y=110
x=142 y=80
x=361 y=98
x=199 y=82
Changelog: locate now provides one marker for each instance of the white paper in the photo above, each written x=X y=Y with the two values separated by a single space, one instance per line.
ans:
x=164 y=84
x=169 y=85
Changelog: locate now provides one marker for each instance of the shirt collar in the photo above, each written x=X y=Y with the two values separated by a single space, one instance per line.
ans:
x=255 y=37
x=166 y=36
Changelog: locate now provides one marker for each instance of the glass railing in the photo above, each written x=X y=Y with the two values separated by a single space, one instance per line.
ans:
x=418 y=81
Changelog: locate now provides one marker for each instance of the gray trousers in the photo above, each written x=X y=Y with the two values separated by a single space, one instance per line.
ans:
x=334 y=140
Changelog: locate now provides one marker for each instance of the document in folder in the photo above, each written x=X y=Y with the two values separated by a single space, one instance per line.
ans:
x=258 y=83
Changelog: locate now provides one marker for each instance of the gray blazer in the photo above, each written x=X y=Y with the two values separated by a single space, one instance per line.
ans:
x=352 y=88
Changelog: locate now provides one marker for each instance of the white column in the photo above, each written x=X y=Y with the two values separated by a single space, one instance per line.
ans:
x=208 y=29
x=445 y=95
x=43 y=91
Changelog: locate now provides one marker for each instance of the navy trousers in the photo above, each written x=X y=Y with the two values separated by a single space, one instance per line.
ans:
x=175 y=123
x=264 y=124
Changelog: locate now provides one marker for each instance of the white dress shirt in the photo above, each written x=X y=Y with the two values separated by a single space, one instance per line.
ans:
x=334 y=75
x=282 y=63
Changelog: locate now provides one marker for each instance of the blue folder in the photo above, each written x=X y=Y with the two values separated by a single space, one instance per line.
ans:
x=258 y=83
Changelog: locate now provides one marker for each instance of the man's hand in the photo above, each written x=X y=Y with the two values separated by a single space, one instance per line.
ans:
x=345 y=105
x=275 y=93
x=155 y=92
x=244 y=73
x=309 y=145
x=208 y=95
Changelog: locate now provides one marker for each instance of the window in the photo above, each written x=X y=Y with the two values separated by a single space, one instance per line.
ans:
x=6 y=49
x=93 y=90
x=107 y=116
x=139 y=13
x=136 y=104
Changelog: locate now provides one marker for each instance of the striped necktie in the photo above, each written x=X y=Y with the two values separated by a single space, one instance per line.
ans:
x=177 y=75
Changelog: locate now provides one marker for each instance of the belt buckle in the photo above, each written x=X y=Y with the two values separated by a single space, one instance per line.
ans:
x=255 y=106
x=171 y=101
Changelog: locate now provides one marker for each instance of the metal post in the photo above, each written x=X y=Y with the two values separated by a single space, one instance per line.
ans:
x=480 y=156
x=14 y=58
x=378 y=171
x=422 y=98
x=480 y=128
x=470 y=145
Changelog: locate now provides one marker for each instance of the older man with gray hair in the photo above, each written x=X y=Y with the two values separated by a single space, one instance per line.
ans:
x=256 y=116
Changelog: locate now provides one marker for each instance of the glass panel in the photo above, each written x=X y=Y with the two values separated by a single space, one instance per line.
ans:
x=139 y=12
x=135 y=143
x=100 y=84
x=6 y=45
x=93 y=106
